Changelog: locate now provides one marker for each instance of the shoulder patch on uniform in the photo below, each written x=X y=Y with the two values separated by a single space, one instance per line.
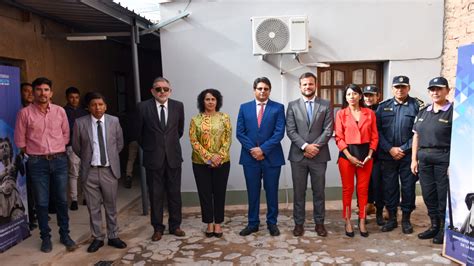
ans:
x=421 y=103
x=385 y=101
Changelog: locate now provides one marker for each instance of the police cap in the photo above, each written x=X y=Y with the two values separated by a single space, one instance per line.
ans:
x=371 y=89
x=438 y=82
x=401 y=80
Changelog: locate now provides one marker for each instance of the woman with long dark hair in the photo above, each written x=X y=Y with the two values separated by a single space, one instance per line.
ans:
x=357 y=139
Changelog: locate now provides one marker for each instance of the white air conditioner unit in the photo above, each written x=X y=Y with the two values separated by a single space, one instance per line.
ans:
x=280 y=35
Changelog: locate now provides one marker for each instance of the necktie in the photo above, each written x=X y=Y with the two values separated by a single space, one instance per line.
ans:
x=260 y=114
x=100 y=135
x=162 y=117
x=309 y=111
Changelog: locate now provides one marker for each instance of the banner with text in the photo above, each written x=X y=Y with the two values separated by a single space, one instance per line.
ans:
x=459 y=237
x=13 y=197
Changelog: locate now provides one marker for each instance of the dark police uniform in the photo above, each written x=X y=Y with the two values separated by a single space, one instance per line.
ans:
x=434 y=141
x=433 y=130
x=395 y=123
x=375 y=186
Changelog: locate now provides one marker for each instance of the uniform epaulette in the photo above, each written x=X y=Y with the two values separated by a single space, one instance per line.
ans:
x=385 y=101
x=424 y=106
x=421 y=103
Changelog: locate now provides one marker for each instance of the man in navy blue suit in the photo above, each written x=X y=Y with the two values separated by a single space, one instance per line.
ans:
x=260 y=128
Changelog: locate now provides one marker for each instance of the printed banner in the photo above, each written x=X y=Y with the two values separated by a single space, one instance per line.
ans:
x=13 y=197
x=459 y=241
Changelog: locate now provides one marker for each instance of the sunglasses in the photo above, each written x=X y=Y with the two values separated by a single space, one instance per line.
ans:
x=161 y=89
x=263 y=89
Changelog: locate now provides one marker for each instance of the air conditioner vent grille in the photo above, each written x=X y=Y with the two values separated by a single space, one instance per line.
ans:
x=272 y=35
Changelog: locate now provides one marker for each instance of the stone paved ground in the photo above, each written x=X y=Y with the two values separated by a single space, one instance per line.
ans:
x=379 y=248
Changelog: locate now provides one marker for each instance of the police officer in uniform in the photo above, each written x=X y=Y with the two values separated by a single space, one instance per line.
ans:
x=430 y=157
x=371 y=100
x=395 y=118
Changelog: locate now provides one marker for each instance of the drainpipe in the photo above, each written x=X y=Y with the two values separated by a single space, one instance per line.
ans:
x=136 y=84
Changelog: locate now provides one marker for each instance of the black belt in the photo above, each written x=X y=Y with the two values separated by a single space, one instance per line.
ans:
x=48 y=157
x=99 y=166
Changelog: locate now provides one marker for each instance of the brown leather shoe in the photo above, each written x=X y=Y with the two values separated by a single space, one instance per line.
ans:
x=320 y=230
x=178 y=232
x=299 y=230
x=370 y=209
x=156 y=236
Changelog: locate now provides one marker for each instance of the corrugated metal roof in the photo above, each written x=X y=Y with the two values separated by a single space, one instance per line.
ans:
x=85 y=15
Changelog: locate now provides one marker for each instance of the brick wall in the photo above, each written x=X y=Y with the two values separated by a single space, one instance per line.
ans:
x=458 y=31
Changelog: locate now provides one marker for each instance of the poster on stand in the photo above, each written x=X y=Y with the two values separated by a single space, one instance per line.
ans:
x=459 y=235
x=13 y=197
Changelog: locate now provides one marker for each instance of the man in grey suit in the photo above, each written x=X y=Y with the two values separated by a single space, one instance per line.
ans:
x=160 y=125
x=309 y=125
x=97 y=140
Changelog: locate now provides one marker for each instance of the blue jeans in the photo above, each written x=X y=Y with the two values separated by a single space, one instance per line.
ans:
x=43 y=171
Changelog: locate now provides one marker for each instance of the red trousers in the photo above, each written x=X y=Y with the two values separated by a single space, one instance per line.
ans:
x=362 y=175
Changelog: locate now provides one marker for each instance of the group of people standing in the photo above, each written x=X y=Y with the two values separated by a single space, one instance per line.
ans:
x=381 y=146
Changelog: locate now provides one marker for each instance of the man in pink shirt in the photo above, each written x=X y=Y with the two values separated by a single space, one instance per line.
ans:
x=42 y=132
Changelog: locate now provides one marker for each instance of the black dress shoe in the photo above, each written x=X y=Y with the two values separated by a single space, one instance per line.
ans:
x=209 y=234
x=274 y=231
x=128 y=182
x=46 y=245
x=73 y=206
x=248 y=230
x=116 y=243
x=95 y=245
x=218 y=234
x=68 y=242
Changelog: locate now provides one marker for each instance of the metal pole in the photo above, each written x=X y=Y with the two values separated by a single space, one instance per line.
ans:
x=138 y=98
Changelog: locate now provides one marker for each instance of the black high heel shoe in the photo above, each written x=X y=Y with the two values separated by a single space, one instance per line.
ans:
x=363 y=234
x=349 y=234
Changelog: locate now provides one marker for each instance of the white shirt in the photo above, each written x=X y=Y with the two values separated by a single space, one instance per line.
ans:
x=158 y=107
x=258 y=105
x=95 y=142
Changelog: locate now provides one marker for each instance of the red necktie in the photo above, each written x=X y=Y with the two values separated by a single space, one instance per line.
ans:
x=260 y=114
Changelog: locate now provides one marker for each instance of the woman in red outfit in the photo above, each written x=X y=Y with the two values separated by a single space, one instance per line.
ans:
x=357 y=139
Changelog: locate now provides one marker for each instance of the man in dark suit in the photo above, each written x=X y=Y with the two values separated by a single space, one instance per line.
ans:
x=260 y=128
x=309 y=125
x=160 y=125
x=97 y=140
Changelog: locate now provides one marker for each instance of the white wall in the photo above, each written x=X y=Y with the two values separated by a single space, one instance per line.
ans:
x=213 y=48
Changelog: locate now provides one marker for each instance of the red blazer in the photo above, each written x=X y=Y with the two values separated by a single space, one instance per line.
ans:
x=350 y=132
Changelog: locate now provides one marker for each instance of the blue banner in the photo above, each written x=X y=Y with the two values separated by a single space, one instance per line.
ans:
x=13 y=196
x=459 y=244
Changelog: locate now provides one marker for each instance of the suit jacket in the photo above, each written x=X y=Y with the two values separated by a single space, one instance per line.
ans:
x=350 y=132
x=318 y=132
x=82 y=143
x=155 y=141
x=267 y=137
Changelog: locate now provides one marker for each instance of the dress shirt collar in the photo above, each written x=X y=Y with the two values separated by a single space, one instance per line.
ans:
x=158 y=104
x=309 y=100
x=48 y=108
x=102 y=119
x=259 y=102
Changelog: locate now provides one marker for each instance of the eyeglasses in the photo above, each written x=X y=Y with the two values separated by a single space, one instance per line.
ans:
x=162 y=89
x=263 y=89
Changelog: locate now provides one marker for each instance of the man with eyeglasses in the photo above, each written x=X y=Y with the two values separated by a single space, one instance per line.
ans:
x=260 y=128
x=395 y=118
x=160 y=125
